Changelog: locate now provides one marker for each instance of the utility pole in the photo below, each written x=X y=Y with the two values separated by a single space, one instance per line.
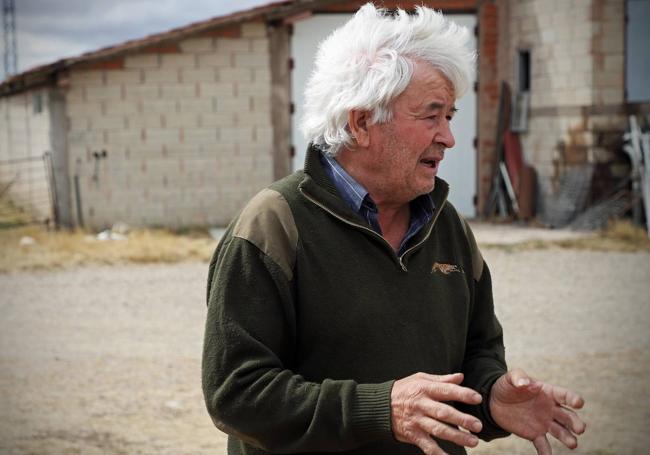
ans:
x=9 y=29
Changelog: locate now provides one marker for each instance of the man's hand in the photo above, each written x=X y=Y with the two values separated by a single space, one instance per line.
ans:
x=418 y=411
x=530 y=409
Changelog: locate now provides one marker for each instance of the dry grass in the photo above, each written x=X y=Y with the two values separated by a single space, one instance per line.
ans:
x=56 y=249
x=619 y=235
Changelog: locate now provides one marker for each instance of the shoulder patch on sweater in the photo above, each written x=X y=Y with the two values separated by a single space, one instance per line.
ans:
x=267 y=222
x=477 y=257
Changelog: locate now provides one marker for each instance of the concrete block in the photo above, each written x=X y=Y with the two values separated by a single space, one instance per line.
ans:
x=144 y=120
x=162 y=75
x=141 y=92
x=108 y=122
x=196 y=105
x=178 y=61
x=252 y=60
x=235 y=74
x=82 y=109
x=609 y=96
x=88 y=77
x=77 y=93
x=253 y=30
x=218 y=89
x=119 y=107
x=610 y=79
x=263 y=135
x=239 y=105
x=262 y=118
x=181 y=120
x=261 y=103
x=233 y=44
x=261 y=75
x=613 y=44
x=141 y=61
x=107 y=92
x=124 y=137
x=236 y=135
x=167 y=136
x=123 y=77
x=205 y=75
x=178 y=91
x=614 y=63
x=199 y=135
x=217 y=119
x=78 y=123
x=197 y=45
x=159 y=106
x=260 y=45
x=215 y=60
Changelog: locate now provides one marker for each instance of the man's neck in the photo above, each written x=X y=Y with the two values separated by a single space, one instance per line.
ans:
x=394 y=216
x=394 y=222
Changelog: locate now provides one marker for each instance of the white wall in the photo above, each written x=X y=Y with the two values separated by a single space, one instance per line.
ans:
x=459 y=166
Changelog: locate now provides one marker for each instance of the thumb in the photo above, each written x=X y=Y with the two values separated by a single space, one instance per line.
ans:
x=520 y=380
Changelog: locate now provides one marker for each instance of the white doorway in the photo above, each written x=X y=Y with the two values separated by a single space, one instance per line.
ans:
x=459 y=165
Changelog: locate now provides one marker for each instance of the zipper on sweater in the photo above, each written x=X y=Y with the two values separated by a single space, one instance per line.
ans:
x=397 y=258
x=424 y=239
x=353 y=224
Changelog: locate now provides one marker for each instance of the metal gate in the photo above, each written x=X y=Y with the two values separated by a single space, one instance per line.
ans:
x=27 y=193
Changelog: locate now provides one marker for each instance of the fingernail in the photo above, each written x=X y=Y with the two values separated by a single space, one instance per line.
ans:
x=522 y=382
x=477 y=426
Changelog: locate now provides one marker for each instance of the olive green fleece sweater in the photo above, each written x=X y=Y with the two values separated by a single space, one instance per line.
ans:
x=312 y=316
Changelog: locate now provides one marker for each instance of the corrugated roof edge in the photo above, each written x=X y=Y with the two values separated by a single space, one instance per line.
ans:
x=44 y=74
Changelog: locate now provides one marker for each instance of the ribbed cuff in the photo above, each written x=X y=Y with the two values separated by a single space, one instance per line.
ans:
x=491 y=430
x=371 y=412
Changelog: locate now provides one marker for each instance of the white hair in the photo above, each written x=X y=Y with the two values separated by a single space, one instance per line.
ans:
x=369 y=62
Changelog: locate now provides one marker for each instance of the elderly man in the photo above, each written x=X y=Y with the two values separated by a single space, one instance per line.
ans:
x=349 y=308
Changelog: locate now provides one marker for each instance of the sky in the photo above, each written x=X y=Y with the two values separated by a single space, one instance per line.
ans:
x=48 y=30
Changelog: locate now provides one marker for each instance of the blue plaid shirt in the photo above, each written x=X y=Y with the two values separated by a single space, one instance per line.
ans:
x=357 y=197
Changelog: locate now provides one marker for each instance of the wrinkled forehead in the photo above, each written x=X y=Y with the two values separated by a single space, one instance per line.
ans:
x=428 y=87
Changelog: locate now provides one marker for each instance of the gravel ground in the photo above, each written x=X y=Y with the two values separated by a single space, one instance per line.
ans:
x=107 y=359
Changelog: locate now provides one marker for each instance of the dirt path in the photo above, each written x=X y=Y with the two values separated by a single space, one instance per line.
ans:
x=107 y=359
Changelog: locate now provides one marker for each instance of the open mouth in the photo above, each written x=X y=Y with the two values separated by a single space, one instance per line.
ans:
x=430 y=163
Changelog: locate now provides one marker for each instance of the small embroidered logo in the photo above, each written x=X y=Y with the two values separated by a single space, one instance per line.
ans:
x=445 y=269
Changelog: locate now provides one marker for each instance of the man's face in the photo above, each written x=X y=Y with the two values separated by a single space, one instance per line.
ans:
x=407 y=151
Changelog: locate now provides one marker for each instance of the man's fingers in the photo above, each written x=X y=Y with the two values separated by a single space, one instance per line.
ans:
x=443 y=431
x=451 y=415
x=428 y=445
x=518 y=378
x=569 y=419
x=442 y=391
x=567 y=397
x=563 y=435
x=454 y=378
x=542 y=445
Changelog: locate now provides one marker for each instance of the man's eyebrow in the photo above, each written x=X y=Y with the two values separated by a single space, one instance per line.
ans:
x=434 y=106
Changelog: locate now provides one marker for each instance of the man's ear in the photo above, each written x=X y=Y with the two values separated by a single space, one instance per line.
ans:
x=358 y=124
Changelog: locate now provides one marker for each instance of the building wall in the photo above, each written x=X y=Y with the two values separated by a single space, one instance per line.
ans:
x=577 y=88
x=24 y=138
x=186 y=130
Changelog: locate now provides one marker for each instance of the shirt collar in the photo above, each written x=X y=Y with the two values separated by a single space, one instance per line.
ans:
x=356 y=195
x=352 y=192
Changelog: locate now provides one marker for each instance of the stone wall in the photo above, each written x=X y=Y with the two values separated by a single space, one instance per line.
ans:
x=577 y=93
x=186 y=130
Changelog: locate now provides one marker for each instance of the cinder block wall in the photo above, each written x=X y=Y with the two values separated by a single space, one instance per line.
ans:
x=186 y=128
x=24 y=138
x=577 y=79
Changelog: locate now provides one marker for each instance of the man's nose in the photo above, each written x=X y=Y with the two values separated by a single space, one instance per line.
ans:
x=445 y=136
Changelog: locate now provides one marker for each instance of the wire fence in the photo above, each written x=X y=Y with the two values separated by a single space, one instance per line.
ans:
x=26 y=195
